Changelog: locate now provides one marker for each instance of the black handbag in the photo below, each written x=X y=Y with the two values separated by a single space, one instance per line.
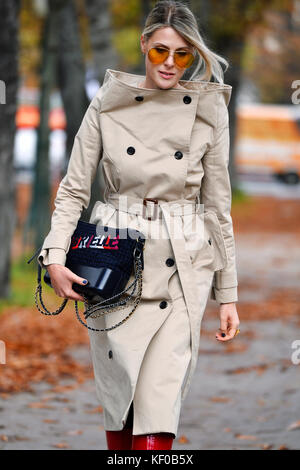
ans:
x=106 y=257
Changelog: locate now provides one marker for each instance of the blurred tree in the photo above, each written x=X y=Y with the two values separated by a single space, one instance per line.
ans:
x=70 y=71
x=38 y=219
x=62 y=67
x=272 y=56
x=9 y=25
x=225 y=27
x=104 y=56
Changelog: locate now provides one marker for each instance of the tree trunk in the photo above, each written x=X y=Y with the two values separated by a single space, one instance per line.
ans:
x=9 y=25
x=39 y=216
x=104 y=56
x=71 y=72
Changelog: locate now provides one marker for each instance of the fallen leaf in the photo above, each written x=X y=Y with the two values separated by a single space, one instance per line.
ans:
x=76 y=432
x=98 y=409
x=62 y=445
x=3 y=437
x=292 y=426
x=50 y=420
x=266 y=446
x=40 y=404
x=245 y=437
x=183 y=439
x=261 y=402
x=220 y=399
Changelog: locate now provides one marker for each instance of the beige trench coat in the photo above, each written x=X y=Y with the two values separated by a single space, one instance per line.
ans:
x=171 y=145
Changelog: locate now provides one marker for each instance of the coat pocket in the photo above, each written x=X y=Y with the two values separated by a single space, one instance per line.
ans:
x=214 y=230
x=212 y=251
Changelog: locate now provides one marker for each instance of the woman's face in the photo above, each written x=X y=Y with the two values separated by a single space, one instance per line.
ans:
x=155 y=78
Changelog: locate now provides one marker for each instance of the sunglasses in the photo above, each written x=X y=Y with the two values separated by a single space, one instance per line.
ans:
x=183 y=59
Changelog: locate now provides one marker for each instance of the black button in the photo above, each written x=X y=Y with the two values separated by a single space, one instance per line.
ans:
x=131 y=150
x=209 y=241
x=178 y=155
x=187 y=99
x=139 y=98
x=163 y=304
x=110 y=354
x=170 y=262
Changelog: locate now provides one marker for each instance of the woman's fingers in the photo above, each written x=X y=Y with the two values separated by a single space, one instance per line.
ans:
x=222 y=332
x=72 y=295
x=78 y=279
x=231 y=332
x=229 y=322
x=62 y=280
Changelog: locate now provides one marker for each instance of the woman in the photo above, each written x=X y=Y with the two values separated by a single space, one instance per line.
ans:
x=161 y=140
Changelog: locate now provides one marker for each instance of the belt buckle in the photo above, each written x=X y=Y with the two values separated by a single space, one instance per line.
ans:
x=155 y=206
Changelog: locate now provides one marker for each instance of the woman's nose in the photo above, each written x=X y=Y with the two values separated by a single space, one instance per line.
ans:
x=170 y=59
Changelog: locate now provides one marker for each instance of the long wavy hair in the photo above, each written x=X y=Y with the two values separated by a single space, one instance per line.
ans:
x=178 y=15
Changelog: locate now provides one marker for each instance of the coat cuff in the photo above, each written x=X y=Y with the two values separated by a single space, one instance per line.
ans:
x=52 y=256
x=225 y=295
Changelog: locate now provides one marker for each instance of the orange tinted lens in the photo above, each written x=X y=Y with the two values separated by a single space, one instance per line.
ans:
x=158 y=55
x=183 y=59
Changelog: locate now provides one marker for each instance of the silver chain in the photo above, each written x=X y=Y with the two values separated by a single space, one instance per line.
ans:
x=92 y=307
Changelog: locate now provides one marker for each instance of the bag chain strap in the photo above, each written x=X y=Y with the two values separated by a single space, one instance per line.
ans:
x=123 y=303
x=90 y=308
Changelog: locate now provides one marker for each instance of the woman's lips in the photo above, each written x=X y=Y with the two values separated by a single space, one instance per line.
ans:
x=166 y=75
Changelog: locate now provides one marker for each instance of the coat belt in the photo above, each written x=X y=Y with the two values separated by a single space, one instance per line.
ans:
x=161 y=209
x=151 y=208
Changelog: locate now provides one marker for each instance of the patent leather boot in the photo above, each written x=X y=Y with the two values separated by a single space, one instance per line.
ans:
x=156 y=441
x=119 y=440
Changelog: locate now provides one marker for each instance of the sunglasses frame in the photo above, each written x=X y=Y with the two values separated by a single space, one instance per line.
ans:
x=174 y=56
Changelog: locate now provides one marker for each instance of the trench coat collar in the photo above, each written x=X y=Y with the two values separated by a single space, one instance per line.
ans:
x=122 y=81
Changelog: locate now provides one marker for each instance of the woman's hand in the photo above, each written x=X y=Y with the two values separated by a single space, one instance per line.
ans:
x=229 y=322
x=62 y=279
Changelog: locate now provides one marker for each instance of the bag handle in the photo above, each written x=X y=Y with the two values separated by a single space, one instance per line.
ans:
x=38 y=290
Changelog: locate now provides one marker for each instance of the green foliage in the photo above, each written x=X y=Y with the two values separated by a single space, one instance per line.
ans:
x=127 y=44
x=233 y=19
x=23 y=284
x=239 y=196
x=125 y=14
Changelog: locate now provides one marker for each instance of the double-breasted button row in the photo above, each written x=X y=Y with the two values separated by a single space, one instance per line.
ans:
x=209 y=241
x=163 y=304
x=186 y=99
x=110 y=354
x=178 y=155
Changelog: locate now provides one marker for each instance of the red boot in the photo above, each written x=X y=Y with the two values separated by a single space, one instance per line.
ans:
x=157 y=441
x=119 y=440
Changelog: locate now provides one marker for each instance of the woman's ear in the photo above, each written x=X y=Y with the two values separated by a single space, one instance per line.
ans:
x=143 y=46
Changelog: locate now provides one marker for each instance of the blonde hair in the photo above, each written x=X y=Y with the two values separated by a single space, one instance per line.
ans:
x=177 y=15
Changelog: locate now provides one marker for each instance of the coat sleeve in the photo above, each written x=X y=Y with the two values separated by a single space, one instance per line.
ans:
x=216 y=195
x=74 y=191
